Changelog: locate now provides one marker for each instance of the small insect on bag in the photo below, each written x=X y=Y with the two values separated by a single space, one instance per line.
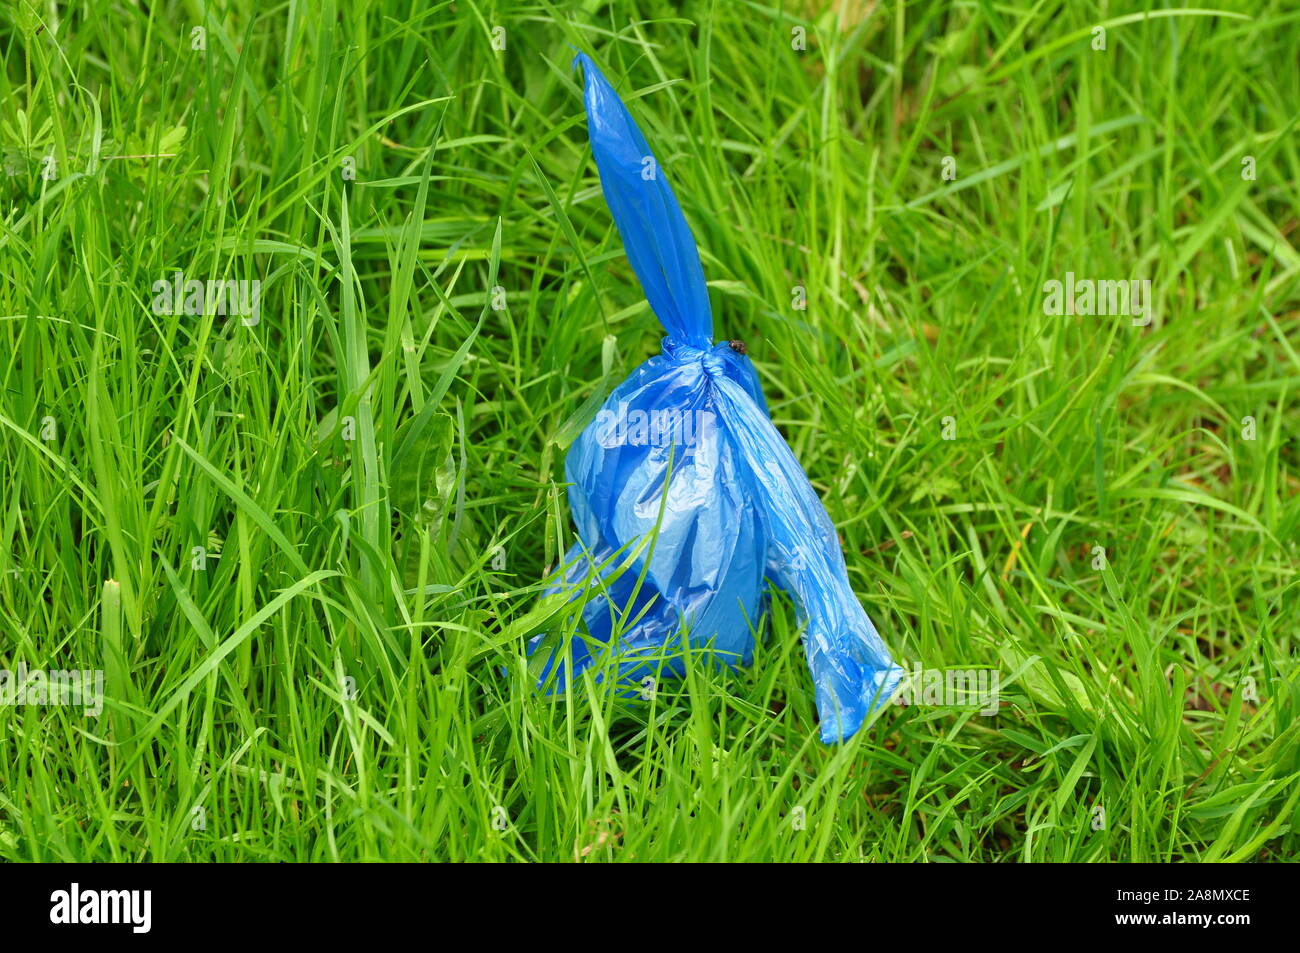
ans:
x=683 y=470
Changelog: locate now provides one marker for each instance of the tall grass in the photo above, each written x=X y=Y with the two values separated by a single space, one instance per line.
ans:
x=305 y=547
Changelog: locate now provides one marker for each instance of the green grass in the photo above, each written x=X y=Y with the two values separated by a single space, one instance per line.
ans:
x=330 y=686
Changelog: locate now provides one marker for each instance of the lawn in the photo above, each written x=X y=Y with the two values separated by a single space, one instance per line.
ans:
x=299 y=530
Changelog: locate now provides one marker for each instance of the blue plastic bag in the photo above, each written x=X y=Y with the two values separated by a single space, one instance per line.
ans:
x=685 y=445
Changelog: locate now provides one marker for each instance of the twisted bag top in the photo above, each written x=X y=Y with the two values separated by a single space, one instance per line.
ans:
x=684 y=452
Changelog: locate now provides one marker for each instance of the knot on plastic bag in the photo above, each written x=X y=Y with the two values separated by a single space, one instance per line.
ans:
x=712 y=358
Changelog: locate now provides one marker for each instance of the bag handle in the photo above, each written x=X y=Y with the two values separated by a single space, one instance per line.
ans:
x=655 y=235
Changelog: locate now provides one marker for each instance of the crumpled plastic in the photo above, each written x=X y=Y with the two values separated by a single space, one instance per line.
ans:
x=684 y=470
